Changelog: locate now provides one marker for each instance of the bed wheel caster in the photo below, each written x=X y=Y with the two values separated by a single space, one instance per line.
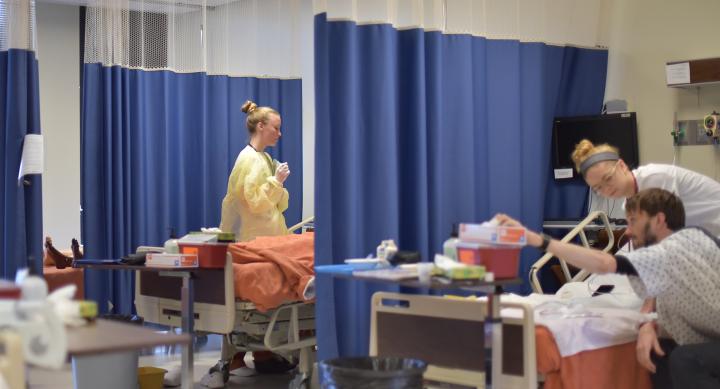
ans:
x=301 y=381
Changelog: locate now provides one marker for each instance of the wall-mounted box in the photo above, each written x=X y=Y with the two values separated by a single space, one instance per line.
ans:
x=695 y=72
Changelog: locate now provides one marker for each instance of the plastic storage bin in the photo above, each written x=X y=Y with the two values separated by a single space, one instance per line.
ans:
x=9 y=290
x=150 y=377
x=372 y=372
x=210 y=255
x=502 y=261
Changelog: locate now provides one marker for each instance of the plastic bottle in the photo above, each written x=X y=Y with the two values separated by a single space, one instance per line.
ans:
x=386 y=250
x=171 y=245
x=390 y=249
x=450 y=245
x=380 y=252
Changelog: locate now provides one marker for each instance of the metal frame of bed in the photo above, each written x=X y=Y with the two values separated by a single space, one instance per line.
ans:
x=288 y=330
x=579 y=230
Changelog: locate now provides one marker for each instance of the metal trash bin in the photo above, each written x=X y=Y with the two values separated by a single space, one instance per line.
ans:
x=372 y=372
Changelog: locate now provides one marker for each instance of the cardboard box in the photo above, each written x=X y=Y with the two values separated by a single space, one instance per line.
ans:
x=171 y=260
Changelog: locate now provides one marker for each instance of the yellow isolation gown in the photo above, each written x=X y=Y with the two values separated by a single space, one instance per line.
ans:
x=255 y=199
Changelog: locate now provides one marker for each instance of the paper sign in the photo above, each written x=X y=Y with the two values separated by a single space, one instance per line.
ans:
x=563 y=173
x=32 y=156
x=677 y=73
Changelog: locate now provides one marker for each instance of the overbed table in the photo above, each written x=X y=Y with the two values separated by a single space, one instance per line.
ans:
x=105 y=353
x=187 y=295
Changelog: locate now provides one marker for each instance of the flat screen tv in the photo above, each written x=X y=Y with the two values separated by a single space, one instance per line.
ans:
x=619 y=130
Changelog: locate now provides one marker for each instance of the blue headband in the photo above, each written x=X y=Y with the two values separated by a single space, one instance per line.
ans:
x=595 y=158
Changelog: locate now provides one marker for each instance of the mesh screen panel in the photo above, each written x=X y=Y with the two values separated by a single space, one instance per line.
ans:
x=17 y=25
x=242 y=37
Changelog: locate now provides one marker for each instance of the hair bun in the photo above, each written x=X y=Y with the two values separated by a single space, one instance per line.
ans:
x=248 y=106
x=582 y=151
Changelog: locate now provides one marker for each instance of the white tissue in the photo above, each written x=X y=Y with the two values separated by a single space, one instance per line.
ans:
x=65 y=307
x=491 y=223
x=447 y=263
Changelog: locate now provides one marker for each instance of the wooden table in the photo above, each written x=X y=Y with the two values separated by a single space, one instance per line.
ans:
x=105 y=353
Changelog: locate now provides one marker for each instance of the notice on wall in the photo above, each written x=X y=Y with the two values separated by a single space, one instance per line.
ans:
x=677 y=73
x=563 y=173
x=32 y=156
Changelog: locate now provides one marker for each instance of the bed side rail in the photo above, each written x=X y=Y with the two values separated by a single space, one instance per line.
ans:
x=294 y=340
x=578 y=230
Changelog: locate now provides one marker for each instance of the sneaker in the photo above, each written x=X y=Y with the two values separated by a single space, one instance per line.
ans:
x=217 y=376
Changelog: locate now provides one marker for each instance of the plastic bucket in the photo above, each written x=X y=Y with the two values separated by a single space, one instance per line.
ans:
x=151 y=377
x=372 y=372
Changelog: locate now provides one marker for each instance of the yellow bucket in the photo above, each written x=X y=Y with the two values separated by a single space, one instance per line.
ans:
x=151 y=377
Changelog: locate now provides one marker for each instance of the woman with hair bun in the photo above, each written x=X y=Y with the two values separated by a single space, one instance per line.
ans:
x=608 y=175
x=256 y=199
x=254 y=206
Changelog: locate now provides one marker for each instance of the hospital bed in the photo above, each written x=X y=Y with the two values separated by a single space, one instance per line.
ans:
x=449 y=333
x=613 y=366
x=287 y=330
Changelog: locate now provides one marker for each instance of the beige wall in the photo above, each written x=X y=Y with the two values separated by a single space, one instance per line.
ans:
x=59 y=61
x=643 y=36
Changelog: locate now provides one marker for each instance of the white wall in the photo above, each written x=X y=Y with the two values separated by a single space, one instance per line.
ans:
x=307 y=72
x=644 y=35
x=59 y=59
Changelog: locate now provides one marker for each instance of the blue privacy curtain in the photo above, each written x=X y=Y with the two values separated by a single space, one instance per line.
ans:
x=21 y=243
x=417 y=130
x=157 y=149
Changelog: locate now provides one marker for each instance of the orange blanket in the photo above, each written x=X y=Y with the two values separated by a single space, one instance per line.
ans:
x=610 y=367
x=57 y=278
x=270 y=271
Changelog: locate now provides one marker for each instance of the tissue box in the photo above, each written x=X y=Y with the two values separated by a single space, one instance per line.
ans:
x=502 y=261
x=478 y=233
x=171 y=260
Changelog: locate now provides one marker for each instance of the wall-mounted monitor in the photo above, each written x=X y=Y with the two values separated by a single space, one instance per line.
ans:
x=619 y=130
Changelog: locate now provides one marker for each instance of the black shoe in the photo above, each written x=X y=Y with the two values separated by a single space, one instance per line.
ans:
x=274 y=365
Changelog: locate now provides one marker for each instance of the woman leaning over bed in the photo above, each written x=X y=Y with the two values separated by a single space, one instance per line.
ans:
x=607 y=175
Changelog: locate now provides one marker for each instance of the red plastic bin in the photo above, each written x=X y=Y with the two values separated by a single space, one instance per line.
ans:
x=9 y=290
x=210 y=255
x=502 y=261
